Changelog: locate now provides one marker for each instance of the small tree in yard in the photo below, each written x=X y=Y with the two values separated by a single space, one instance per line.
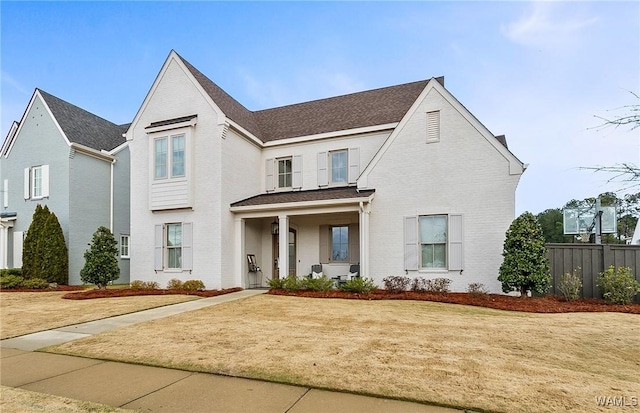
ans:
x=101 y=264
x=54 y=265
x=525 y=266
x=31 y=249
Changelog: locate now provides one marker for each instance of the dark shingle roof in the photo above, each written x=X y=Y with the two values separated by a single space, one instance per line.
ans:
x=369 y=108
x=302 y=196
x=84 y=127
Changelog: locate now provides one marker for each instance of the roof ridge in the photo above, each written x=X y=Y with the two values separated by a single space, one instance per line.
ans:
x=74 y=106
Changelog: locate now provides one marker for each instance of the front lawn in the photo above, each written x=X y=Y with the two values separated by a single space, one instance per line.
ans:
x=455 y=355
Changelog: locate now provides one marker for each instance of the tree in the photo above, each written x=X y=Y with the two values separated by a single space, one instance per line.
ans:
x=55 y=258
x=32 y=248
x=101 y=262
x=525 y=266
x=552 y=227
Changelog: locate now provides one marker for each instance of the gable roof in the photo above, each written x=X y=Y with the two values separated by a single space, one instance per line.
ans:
x=355 y=110
x=85 y=128
x=324 y=194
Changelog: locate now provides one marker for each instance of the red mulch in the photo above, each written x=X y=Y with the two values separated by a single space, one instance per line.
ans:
x=546 y=304
x=128 y=292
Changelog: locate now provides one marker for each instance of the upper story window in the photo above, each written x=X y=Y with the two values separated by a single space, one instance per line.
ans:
x=338 y=166
x=36 y=182
x=285 y=173
x=169 y=155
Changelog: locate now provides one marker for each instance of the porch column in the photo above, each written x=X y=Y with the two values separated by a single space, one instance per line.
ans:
x=4 y=246
x=365 y=210
x=238 y=253
x=283 y=241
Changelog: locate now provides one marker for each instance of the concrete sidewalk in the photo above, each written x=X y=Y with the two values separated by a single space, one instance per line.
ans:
x=155 y=389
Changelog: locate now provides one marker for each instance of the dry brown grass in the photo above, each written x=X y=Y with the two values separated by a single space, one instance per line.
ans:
x=24 y=313
x=437 y=353
x=21 y=401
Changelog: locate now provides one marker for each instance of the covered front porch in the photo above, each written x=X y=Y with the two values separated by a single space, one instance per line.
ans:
x=287 y=233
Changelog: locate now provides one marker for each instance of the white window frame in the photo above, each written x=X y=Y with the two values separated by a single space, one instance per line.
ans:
x=443 y=243
x=36 y=177
x=280 y=174
x=125 y=246
x=346 y=168
x=169 y=156
x=168 y=248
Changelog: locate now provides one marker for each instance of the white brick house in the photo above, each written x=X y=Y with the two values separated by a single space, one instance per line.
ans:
x=400 y=180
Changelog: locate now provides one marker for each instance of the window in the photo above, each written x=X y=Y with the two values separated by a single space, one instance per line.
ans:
x=124 y=246
x=163 y=163
x=433 y=241
x=36 y=182
x=174 y=245
x=338 y=166
x=285 y=173
x=340 y=243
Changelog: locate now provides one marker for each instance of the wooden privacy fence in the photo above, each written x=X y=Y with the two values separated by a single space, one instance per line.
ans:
x=593 y=259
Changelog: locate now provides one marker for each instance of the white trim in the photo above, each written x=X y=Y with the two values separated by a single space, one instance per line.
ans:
x=302 y=208
x=117 y=149
x=128 y=255
x=333 y=134
x=85 y=150
x=185 y=124
x=9 y=138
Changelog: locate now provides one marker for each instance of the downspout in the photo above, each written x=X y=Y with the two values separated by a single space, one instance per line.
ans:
x=111 y=199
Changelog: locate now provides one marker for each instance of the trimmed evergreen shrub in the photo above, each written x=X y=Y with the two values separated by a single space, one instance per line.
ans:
x=292 y=283
x=11 y=271
x=31 y=248
x=8 y=282
x=359 y=285
x=35 y=283
x=276 y=283
x=525 y=266
x=55 y=257
x=193 y=285
x=322 y=284
x=101 y=262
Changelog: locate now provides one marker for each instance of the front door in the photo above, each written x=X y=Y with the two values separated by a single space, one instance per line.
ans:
x=292 y=253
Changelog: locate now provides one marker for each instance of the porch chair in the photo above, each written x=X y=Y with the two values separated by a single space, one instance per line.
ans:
x=316 y=271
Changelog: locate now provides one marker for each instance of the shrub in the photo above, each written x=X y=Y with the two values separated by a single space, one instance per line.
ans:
x=570 y=284
x=322 y=284
x=437 y=285
x=35 y=283
x=31 y=248
x=396 y=283
x=11 y=271
x=525 y=266
x=618 y=285
x=55 y=256
x=276 y=283
x=144 y=285
x=359 y=285
x=477 y=289
x=292 y=283
x=101 y=262
x=174 y=284
x=419 y=284
x=8 y=282
x=193 y=285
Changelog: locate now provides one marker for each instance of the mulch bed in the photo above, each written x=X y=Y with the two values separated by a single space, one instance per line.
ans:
x=44 y=290
x=546 y=304
x=128 y=292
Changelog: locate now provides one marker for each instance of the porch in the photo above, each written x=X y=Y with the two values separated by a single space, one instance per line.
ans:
x=289 y=232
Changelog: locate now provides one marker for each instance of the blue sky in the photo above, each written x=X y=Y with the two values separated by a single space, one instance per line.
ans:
x=536 y=72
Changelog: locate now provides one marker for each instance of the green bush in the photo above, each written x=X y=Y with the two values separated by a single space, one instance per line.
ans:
x=55 y=256
x=359 y=285
x=292 y=283
x=570 y=284
x=35 y=283
x=322 y=284
x=11 y=271
x=31 y=248
x=174 y=284
x=396 y=283
x=101 y=262
x=525 y=266
x=144 y=285
x=618 y=285
x=193 y=285
x=8 y=282
x=276 y=283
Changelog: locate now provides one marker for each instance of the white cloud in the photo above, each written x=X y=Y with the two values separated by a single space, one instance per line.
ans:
x=547 y=24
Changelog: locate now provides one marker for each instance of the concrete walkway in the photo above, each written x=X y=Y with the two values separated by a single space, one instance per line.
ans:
x=154 y=389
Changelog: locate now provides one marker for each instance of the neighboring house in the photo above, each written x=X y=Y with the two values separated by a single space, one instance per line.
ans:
x=402 y=180
x=76 y=163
